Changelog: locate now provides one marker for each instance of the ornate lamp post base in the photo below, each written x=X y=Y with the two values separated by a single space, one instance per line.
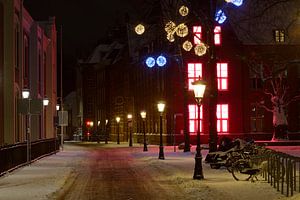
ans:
x=198 y=171
x=145 y=147
x=161 y=153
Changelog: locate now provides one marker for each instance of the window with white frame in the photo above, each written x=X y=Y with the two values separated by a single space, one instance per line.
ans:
x=194 y=72
x=217 y=35
x=193 y=118
x=222 y=118
x=222 y=76
x=197 y=34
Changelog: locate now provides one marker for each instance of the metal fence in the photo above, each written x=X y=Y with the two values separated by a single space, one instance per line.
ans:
x=282 y=171
x=13 y=156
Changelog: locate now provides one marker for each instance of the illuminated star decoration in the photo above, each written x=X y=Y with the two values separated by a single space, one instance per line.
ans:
x=140 y=29
x=150 y=62
x=235 y=2
x=220 y=17
x=161 y=61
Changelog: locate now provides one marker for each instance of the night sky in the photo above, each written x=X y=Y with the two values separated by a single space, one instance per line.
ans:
x=84 y=22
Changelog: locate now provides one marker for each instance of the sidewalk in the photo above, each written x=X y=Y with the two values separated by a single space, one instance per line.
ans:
x=41 y=179
x=45 y=177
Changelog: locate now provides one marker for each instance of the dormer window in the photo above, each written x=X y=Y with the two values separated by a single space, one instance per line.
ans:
x=279 y=36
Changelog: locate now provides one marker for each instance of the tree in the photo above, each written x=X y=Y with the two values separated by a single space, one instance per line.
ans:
x=272 y=72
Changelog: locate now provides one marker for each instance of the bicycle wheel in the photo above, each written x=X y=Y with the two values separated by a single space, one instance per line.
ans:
x=239 y=170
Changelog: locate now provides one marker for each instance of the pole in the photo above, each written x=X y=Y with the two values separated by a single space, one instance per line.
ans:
x=29 y=134
x=198 y=171
x=61 y=91
x=118 y=132
x=213 y=135
x=130 y=134
x=145 y=142
x=161 y=147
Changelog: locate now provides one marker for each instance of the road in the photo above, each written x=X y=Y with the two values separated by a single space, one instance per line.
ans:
x=113 y=173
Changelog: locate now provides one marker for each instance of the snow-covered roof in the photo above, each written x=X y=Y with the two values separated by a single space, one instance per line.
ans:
x=106 y=53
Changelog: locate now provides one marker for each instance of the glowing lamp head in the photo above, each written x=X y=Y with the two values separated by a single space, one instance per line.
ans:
x=199 y=88
x=139 y=29
x=57 y=107
x=150 y=62
x=161 y=61
x=220 y=17
x=129 y=117
x=161 y=106
x=45 y=101
x=25 y=93
x=106 y=121
x=118 y=119
x=143 y=114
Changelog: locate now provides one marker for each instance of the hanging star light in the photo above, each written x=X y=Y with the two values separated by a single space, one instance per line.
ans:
x=187 y=45
x=170 y=27
x=170 y=37
x=182 y=30
x=183 y=11
x=235 y=2
x=200 y=49
x=220 y=16
x=140 y=29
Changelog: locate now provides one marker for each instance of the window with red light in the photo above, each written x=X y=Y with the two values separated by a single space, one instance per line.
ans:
x=217 y=35
x=197 y=34
x=193 y=119
x=194 y=72
x=222 y=76
x=222 y=118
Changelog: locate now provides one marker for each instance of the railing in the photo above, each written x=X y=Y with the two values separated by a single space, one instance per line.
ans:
x=13 y=156
x=283 y=172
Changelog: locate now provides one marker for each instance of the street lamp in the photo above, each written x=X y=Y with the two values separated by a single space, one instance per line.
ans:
x=118 y=131
x=129 y=120
x=161 y=108
x=143 y=115
x=29 y=110
x=199 y=89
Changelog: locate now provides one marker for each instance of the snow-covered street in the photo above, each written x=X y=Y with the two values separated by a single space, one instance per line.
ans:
x=99 y=171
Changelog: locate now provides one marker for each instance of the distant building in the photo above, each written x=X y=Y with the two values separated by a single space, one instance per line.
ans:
x=115 y=82
x=27 y=61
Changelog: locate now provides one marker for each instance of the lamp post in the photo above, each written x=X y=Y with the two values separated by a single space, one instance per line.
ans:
x=199 y=89
x=26 y=96
x=118 y=131
x=161 y=108
x=28 y=101
x=106 y=135
x=143 y=115
x=129 y=120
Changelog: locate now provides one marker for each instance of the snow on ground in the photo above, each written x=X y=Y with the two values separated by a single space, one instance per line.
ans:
x=47 y=176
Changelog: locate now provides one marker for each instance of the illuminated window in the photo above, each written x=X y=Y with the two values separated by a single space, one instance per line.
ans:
x=222 y=118
x=197 y=34
x=194 y=72
x=217 y=35
x=222 y=75
x=193 y=119
x=279 y=36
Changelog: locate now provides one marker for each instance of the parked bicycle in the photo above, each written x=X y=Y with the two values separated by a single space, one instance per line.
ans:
x=248 y=167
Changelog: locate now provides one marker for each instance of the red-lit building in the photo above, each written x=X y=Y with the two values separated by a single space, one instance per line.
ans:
x=129 y=86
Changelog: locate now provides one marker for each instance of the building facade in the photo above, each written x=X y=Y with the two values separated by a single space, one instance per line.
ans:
x=27 y=61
